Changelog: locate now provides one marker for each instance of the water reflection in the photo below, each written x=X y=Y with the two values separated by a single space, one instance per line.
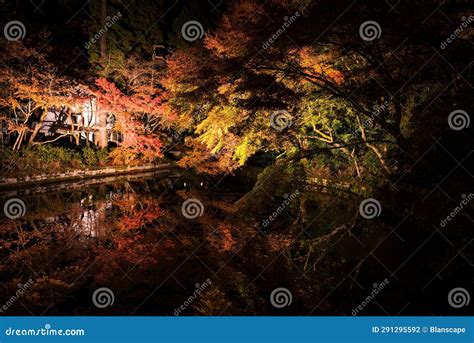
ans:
x=131 y=237
x=90 y=214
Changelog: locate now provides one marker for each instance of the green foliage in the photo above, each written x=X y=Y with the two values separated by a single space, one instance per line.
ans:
x=248 y=147
x=89 y=157
x=102 y=156
x=48 y=159
x=126 y=36
x=47 y=155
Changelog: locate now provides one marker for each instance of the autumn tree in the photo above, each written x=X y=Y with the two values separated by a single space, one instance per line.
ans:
x=29 y=91
x=324 y=83
x=134 y=97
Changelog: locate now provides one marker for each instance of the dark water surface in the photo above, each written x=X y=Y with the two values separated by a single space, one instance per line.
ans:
x=132 y=237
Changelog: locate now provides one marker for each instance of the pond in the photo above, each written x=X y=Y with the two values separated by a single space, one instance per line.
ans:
x=184 y=244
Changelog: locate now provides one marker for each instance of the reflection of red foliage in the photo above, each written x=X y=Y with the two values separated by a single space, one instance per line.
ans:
x=132 y=252
x=169 y=244
x=130 y=255
x=137 y=216
x=130 y=223
x=222 y=239
x=278 y=242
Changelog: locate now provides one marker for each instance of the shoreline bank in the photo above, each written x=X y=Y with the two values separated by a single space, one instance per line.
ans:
x=77 y=175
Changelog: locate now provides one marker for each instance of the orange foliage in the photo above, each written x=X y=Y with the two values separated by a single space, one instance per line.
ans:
x=201 y=158
x=138 y=145
x=112 y=99
x=185 y=69
x=222 y=239
x=230 y=40
x=278 y=242
x=319 y=64
x=138 y=215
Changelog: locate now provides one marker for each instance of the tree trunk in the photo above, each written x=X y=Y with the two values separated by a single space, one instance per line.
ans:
x=372 y=147
x=37 y=127
x=103 y=41
x=102 y=131
x=19 y=139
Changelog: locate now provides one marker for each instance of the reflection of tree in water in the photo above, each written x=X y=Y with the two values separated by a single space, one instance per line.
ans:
x=91 y=215
x=136 y=242
x=94 y=218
